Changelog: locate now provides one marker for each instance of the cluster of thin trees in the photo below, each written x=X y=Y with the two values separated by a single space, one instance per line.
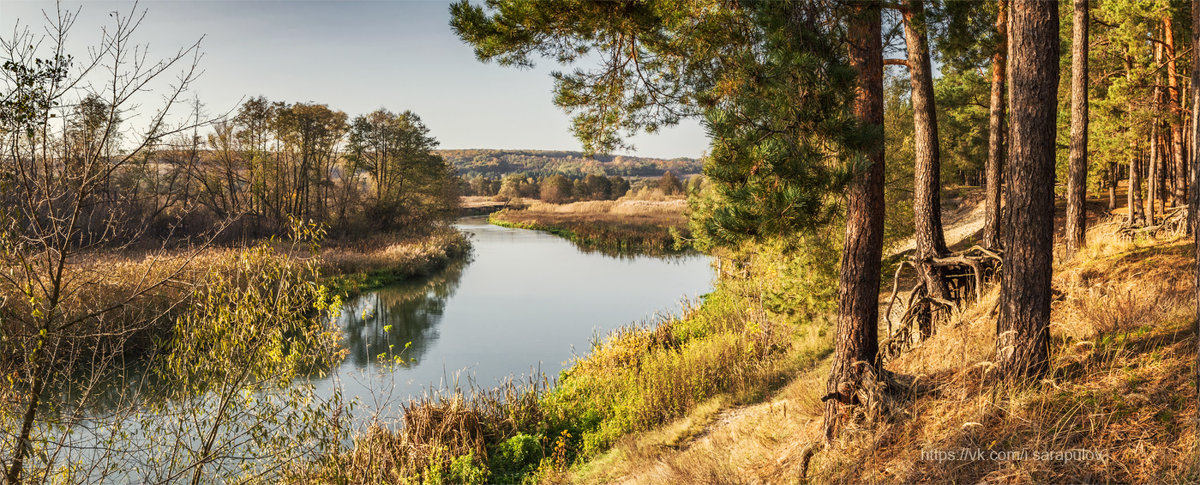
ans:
x=274 y=162
x=270 y=164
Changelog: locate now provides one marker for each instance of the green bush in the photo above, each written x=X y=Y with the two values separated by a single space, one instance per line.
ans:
x=515 y=457
x=461 y=470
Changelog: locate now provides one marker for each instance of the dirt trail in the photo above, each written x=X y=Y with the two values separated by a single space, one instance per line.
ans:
x=962 y=219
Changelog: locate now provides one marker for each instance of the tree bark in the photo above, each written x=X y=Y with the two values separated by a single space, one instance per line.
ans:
x=1023 y=329
x=1112 y=186
x=1161 y=190
x=1077 y=169
x=1152 y=164
x=1195 y=179
x=1134 y=187
x=1180 y=183
x=927 y=204
x=23 y=441
x=996 y=132
x=858 y=285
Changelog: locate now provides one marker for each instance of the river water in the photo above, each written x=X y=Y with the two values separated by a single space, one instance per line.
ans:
x=526 y=302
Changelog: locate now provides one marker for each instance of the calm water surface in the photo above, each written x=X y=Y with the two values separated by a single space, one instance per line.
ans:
x=525 y=301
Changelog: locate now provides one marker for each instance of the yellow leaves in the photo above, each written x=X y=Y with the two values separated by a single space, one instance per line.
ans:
x=260 y=318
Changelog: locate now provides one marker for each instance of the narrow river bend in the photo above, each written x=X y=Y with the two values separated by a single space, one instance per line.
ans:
x=525 y=301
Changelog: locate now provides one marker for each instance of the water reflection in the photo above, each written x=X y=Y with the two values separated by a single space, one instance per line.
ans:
x=527 y=302
x=635 y=254
x=398 y=320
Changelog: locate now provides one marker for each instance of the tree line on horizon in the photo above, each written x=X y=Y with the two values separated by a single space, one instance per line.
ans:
x=497 y=163
x=559 y=188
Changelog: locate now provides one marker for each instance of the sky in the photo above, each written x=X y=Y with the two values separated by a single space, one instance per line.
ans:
x=355 y=56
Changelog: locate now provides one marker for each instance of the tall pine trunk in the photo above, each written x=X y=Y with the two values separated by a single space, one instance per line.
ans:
x=1023 y=329
x=857 y=336
x=1077 y=169
x=927 y=205
x=996 y=132
x=1194 y=199
x=1179 y=183
x=1134 y=195
x=1113 y=179
x=1164 y=162
x=1152 y=165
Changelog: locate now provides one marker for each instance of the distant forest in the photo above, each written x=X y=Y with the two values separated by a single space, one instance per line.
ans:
x=542 y=163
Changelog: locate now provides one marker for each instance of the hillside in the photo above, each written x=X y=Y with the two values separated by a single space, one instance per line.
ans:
x=1115 y=406
x=497 y=163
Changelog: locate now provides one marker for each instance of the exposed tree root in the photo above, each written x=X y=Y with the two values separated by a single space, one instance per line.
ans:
x=1172 y=224
x=965 y=273
x=873 y=395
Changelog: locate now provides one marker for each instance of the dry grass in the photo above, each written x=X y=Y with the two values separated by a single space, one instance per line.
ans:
x=443 y=437
x=413 y=255
x=123 y=301
x=1119 y=396
x=621 y=225
x=133 y=297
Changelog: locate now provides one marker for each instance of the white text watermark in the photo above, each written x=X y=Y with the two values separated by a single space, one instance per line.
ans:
x=979 y=454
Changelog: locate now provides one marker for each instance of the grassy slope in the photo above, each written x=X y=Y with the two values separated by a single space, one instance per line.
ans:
x=1123 y=342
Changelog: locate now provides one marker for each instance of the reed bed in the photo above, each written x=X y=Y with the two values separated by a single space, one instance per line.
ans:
x=618 y=226
x=386 y=259
x=133 y=298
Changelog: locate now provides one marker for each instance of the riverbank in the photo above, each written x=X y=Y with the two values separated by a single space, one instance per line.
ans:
x=160 y=286
x=475 y=205
x=370 y=264
x=613 y=226
x=730 y=393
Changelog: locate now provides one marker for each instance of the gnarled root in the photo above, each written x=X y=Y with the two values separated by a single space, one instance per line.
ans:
x=1172 y=224
x=870 y=395
x=963 y=274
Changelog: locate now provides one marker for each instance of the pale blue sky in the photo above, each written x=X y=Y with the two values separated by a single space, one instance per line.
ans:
x=357 y=56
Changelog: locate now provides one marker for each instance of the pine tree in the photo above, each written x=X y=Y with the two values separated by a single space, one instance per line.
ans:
x=1023 y=329
x=996 y=131
x=1077 y=172
x=856 y=342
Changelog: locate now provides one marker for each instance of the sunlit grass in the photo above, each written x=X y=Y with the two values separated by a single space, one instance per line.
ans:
x=135 y=296
x=1120 y=387
x=624 y=225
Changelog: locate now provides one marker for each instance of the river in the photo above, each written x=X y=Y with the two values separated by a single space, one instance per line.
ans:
x=525 y=302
